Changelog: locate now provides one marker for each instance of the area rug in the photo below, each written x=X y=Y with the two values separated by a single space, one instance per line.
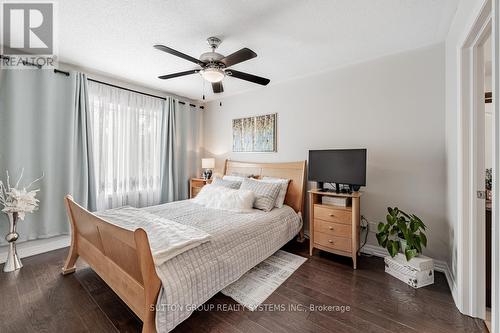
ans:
x=260 y=282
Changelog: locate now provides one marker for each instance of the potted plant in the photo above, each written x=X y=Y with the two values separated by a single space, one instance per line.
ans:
x=402 y=232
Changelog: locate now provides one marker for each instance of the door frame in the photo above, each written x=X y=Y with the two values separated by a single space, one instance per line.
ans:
x=470 y=235
x=495 y=209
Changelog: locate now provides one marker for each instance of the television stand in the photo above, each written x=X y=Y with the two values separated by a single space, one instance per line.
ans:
x=334 y=228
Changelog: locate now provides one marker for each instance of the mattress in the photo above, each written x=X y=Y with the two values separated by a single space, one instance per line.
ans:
x=239 y=242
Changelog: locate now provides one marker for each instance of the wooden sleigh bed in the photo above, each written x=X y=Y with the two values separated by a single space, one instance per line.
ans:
x=123 y=259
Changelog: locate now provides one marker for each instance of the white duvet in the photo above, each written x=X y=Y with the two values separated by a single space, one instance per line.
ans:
x=238 y=242
x=179 y=237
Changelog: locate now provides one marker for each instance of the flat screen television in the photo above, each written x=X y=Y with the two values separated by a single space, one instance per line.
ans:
x=339 y=166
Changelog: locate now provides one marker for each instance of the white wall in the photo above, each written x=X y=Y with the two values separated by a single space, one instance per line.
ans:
x=394 y=106
x=466 y=12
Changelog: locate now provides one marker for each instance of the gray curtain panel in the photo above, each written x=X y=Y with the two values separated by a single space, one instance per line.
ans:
x=82 y=147
x=44 y=129
x=181 y=149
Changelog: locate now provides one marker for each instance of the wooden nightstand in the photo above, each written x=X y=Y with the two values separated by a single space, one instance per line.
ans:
x=334 y=228
x=195 y=185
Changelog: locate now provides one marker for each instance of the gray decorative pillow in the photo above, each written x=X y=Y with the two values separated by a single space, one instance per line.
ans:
x=265 y=193
x=243 y=175
x=284 y=187
x=226 y=183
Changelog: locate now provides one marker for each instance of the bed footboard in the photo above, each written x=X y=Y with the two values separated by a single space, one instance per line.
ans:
x=122 y=258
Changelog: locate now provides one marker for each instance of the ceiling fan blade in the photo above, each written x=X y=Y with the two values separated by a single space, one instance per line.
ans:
x=248 y=77
x=239 y=56
x=179 y=54
x=171 y=76
x=217 y=87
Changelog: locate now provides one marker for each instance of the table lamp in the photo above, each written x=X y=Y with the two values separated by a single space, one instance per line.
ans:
x=207 y=164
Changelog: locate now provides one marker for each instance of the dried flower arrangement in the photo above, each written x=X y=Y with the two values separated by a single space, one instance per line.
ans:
x=18 y=200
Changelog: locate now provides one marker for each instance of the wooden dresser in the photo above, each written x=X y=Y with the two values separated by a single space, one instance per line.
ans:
x=195 y=185
x=334 y=228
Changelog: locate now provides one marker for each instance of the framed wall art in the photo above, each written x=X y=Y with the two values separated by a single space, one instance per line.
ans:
x=255 y=134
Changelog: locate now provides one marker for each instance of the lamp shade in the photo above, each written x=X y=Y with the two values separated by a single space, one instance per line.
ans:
x=208 y=163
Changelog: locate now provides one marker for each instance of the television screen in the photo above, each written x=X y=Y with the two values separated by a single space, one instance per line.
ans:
x=343 y=166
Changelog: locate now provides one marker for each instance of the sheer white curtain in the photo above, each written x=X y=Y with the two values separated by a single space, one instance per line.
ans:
x=126 y=130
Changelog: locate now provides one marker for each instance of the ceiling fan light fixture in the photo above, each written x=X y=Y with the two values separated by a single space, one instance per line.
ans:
x=213 y=74
x=213 y=66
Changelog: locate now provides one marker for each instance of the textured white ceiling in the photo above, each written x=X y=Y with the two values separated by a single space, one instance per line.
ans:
x=291 y=37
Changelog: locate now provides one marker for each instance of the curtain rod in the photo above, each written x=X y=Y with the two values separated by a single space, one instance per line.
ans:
x=127 y=89
x=139 y=92
x=123 y=88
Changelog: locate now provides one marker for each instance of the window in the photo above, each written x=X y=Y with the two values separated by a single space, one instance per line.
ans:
x=126 y=133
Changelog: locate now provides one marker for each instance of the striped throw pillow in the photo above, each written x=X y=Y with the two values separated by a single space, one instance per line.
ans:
x=265 y=193
x=283 y=188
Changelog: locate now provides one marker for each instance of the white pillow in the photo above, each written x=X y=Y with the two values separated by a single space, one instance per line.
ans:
x=283 y=188
x=220 y=197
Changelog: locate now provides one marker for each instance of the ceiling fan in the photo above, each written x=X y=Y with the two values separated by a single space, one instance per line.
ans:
x=215 y=66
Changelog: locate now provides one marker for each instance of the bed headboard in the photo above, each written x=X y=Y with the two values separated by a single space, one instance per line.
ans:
x=295 y=171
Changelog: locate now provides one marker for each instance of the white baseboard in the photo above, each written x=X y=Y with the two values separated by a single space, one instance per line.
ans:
x=31 y=248
x=374 y=250
x=439 y=266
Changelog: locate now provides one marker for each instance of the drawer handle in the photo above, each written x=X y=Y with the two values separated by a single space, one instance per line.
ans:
x=330 y=241
x=332 y=215
x=331 y=228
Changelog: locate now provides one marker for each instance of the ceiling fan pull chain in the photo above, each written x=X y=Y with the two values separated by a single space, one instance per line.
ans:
x=203 y=89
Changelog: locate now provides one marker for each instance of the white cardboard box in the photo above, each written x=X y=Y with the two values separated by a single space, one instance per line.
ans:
x=420 y=263
x=405 y=272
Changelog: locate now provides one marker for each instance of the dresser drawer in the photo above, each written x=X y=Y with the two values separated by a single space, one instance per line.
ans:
x=333 y=242
x=332 y=214
x=334 y=229
x=195 y=191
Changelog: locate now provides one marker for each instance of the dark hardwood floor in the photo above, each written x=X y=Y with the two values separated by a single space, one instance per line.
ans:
x=39 y=299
